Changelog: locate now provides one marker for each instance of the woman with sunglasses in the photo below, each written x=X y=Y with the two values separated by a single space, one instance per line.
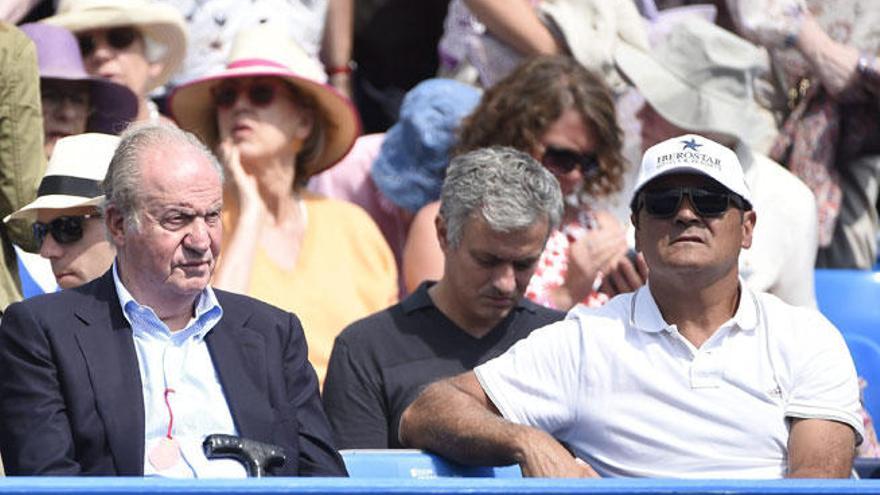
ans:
x=66 y=217
x=136 y=43
x=563 y=115
x=72 y=101
x=275 y=124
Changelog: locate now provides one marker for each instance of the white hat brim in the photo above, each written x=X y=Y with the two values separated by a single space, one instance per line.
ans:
x=689 y=107
x=52 y=202
x=161 y=23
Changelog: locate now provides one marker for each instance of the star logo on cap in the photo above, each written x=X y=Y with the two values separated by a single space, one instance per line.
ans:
x=691 y=145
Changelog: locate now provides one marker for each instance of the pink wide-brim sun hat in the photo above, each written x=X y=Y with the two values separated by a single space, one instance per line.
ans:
x=264 y=51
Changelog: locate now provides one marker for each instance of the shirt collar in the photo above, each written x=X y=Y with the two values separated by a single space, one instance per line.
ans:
x=207 y=312
x=646 y=316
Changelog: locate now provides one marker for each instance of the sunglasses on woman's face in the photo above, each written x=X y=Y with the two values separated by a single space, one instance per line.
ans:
x=707 y=203
x=65 y=229
x=561 y=161
x=260 y=94
x=119 y=38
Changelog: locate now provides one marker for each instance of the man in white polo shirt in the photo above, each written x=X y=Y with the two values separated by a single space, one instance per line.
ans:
x=693 y=375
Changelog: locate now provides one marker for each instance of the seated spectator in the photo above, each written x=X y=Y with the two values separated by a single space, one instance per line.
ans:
x=562 y=115
x=127 y=374
x=68 y=227
x=73 y=101
x=827 y=60
x=136 y=43
x=692 y=376
x=393 y=175
x=497 y=209
x=275 y=126
x=703 y=80
x=21 y=149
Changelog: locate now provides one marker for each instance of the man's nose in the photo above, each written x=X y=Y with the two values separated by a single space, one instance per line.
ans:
x=198 y=238
x=505 y=278
x=50 y=249
x=686 y=210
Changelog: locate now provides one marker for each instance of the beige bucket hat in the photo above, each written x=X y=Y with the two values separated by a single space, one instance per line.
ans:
x=264 y=51
x=161 y=24
x=706 y=79
x=74 y=174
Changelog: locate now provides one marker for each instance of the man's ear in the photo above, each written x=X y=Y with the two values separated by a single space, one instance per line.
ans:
x=750 y=218
x=115 y=223
x=440 y=225
x=634 y=219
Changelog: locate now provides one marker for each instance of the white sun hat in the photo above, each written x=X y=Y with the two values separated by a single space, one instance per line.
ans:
x=161 y=24
x=74 y=174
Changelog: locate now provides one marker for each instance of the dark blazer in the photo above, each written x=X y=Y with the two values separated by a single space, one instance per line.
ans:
x=71 y=398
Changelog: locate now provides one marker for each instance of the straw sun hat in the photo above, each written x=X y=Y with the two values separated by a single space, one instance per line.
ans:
x=74 y=175
x=161 y=24
x=263 y=51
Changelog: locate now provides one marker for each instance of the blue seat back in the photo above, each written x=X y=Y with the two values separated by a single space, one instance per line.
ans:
x=866 y=355
x=851 y=300
x=416 y=464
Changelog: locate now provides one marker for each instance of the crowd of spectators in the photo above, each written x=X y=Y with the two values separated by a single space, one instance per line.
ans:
x=335 y=123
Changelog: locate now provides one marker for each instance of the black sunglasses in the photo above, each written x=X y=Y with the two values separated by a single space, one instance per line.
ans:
x=119 y=38
x=708 y=203
x=65 y=230
x=260 y=94
x=562 y=161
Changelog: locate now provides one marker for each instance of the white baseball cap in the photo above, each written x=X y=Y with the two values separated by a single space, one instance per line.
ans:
x=695 y=154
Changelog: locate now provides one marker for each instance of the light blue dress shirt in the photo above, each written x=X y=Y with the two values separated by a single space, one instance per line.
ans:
x=180 y=361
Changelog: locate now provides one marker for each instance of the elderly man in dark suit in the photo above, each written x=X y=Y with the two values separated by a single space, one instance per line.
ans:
x=127 y=374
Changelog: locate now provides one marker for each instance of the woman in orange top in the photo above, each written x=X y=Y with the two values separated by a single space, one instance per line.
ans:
x=275 y=124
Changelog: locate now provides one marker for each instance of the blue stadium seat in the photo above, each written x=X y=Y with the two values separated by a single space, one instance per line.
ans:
x=851 y=300
x=416 y=464
x=866 y=354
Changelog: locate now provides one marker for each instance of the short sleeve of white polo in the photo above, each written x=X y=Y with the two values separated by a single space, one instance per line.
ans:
x=822 y=380
x=536 y=381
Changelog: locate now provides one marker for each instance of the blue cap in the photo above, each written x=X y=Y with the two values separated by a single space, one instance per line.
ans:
x=412 y=161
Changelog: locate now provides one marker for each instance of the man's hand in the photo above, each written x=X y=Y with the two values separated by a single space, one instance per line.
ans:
x=588 y=256
x=456 y=419
x=624 y=276
x=544 y=457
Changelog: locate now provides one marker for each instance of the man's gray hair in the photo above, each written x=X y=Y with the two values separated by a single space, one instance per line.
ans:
x=122 y=184
x=509 y=188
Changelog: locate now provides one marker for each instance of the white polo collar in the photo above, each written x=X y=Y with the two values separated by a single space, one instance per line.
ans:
x=646 y=316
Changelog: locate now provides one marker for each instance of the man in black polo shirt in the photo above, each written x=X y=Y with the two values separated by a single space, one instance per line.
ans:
x=497 y=208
